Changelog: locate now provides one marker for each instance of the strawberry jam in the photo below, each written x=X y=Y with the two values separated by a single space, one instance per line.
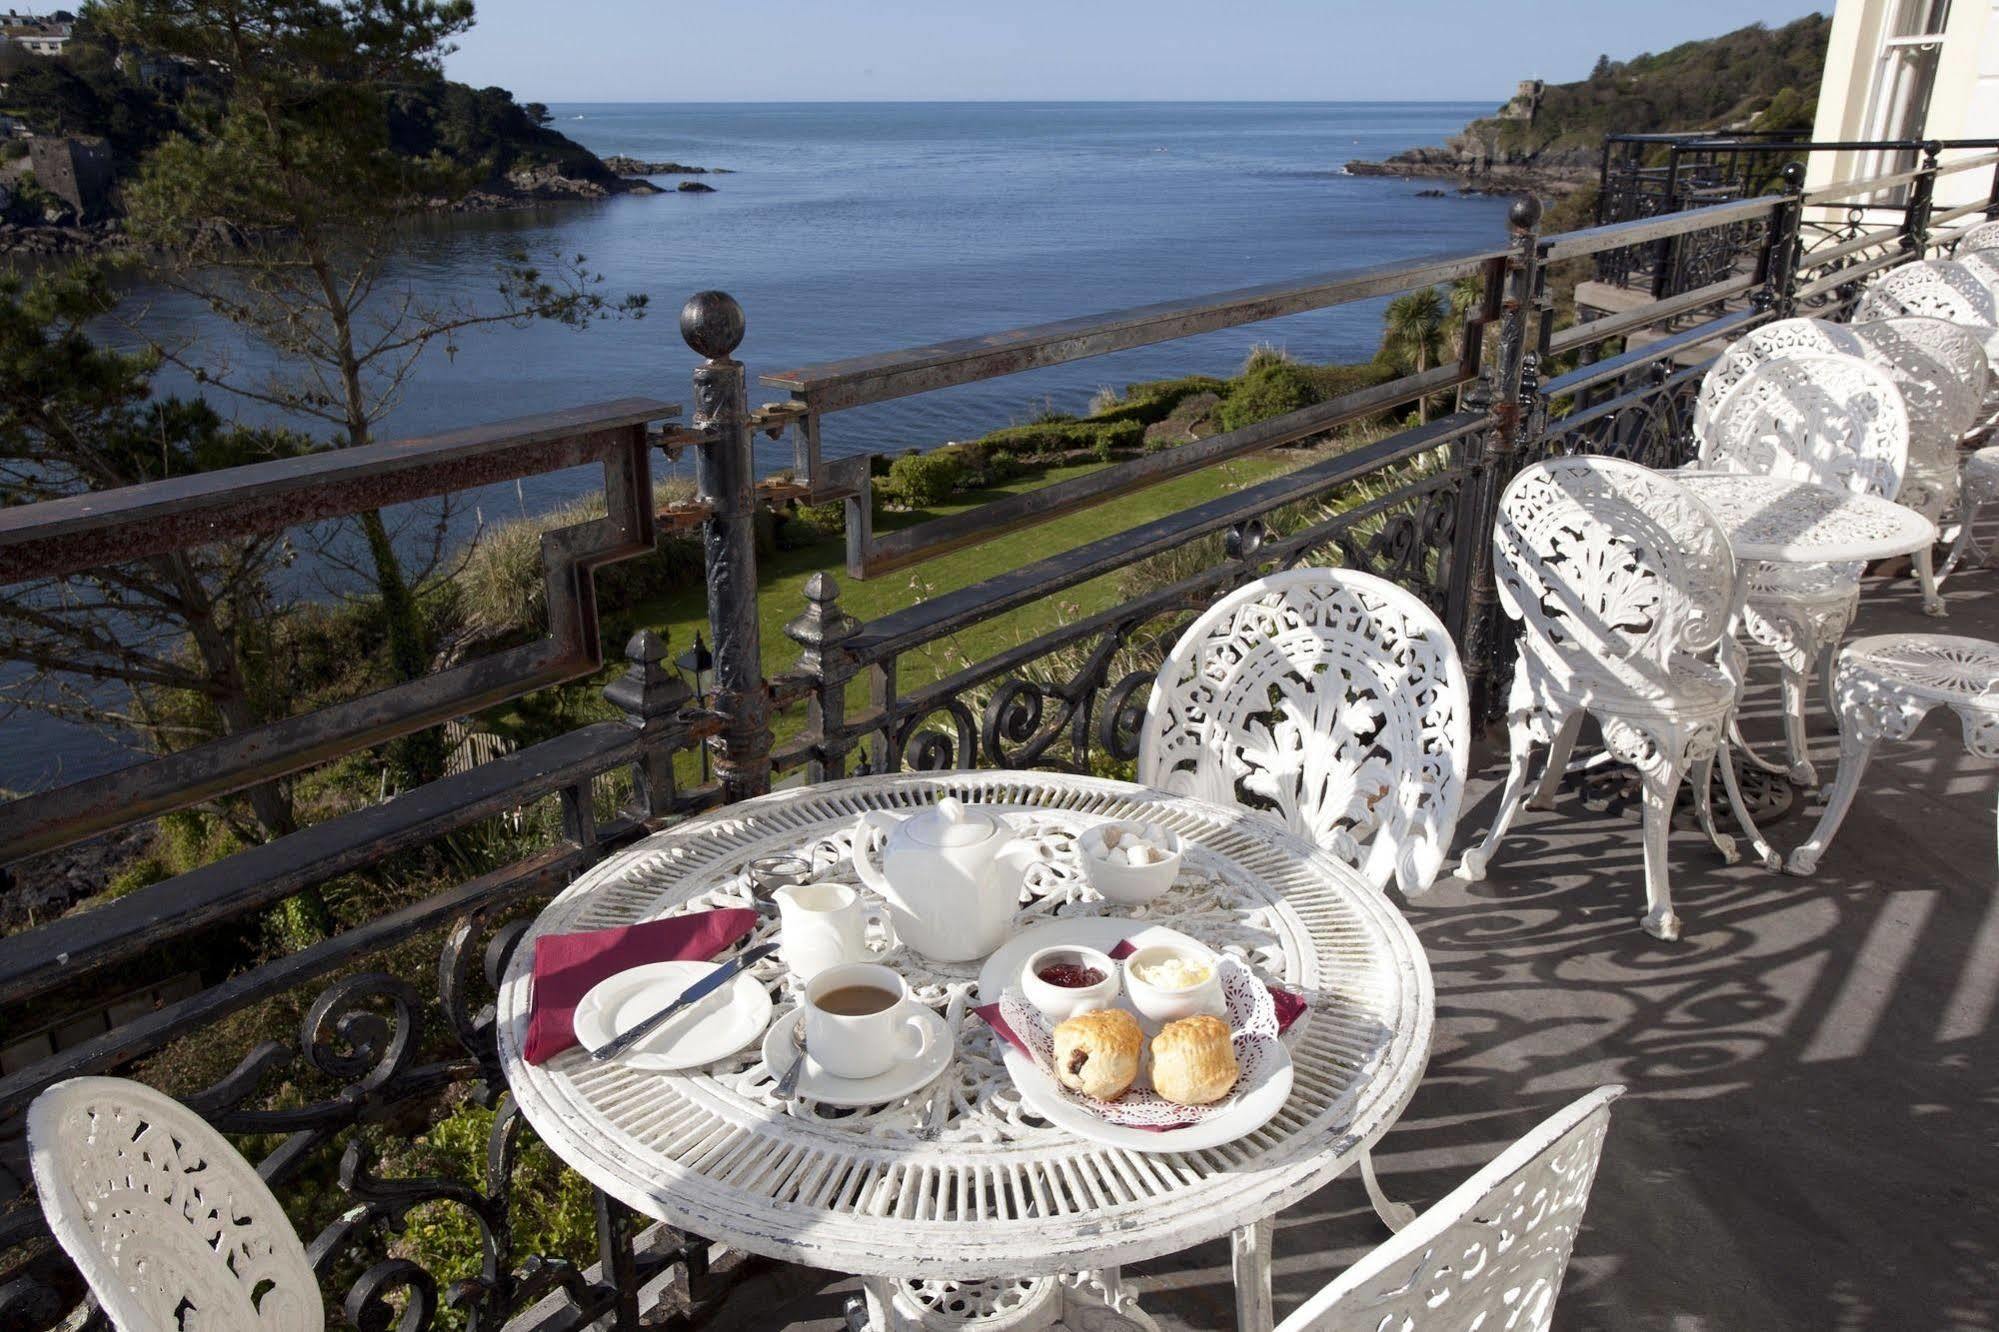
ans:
x=1070 y=975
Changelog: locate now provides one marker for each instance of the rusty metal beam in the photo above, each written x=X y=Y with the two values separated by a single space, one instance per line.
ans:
x=834 y=385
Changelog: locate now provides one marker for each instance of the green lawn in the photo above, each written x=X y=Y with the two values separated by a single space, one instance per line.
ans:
x=781 y=585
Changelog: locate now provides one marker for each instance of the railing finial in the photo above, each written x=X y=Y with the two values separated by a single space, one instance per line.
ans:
x=1525 y=214
x=1793 y=173
x=712 y=323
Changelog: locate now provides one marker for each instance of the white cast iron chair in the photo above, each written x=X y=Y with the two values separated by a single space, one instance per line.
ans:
x=171 y=1227
x=1492 y=1254
x=1333 y=702
x=1934 y=289
x=1835 y=420
x=1623 y=583
x=1941 y=406
x=1984 y=236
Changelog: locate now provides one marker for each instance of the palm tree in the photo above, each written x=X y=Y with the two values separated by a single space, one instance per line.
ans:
x=1466 y=295
x=1415 y=330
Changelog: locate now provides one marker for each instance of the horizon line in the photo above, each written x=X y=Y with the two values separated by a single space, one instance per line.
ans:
x=1019 y=101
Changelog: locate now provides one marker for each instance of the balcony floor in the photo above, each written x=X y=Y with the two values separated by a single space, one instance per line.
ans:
x=1809 y=1139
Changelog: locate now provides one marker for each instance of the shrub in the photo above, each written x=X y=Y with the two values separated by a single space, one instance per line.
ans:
x=1147 y=403
x=550 y=1209
x=1270 y=390
x=1264 y=355
x=919 y=480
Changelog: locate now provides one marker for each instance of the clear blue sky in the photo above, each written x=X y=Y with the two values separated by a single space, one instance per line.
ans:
x=1055 y=50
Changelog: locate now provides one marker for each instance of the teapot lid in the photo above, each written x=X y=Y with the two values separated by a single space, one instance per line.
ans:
x=951 y=822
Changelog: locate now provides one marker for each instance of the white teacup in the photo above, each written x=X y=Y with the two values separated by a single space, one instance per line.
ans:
x=822 y=925
x=851 y=1039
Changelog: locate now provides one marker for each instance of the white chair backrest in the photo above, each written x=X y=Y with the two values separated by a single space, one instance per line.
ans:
x=1786 y=337
x=1983 y=265
x=1984 y=236
x=1614 y=571
x=1835 y=420
x=1942 y=404
x=1330 y=700
x=1492 y=1254
x=1914 y=343
x=167 y=1222
x=1936 y=288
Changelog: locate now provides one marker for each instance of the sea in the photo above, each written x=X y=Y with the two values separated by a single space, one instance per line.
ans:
x=850 y=228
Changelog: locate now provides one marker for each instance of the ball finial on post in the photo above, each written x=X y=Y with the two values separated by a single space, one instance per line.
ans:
x=1794 y=175
x=1525 y=213
x=712 y=324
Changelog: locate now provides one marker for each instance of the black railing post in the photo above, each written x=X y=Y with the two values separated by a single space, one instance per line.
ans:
x=1493 y=466
x=1992 y=197
x=1668 y=255
x=1916 y=213
x=724 y=476
x=1781 y=250
x=820 y=631
x=651 y=695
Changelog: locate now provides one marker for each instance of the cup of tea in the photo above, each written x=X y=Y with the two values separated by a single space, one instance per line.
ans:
x=859 y=1021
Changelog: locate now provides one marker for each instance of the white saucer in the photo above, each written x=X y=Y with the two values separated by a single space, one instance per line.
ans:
x=908 y=1074
x=714 y=1028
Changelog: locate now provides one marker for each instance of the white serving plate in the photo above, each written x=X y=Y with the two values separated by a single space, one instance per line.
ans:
x=714 y=1027
x=1254 y=1106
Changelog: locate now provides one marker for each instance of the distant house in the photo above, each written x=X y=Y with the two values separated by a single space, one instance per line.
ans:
x=37 y=34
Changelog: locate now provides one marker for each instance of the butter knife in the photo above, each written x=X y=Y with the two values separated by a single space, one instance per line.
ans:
x=694 y=993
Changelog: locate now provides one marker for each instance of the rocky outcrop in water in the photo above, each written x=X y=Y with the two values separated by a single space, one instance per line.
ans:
x=634 y=166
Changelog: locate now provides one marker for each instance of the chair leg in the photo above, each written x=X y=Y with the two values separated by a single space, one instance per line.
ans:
x=1394 y=1215
x=1558 y=764
x=1795 y=684
x=1520 y=735
x=1855 y=753
x=1703 y=779
x=1764 y=851
x=1966 y=543
x=1926 y=572
x=1249 y=1256
x=1661 y=784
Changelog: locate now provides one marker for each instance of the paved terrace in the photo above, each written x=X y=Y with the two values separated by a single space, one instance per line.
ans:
x=1810 y=1137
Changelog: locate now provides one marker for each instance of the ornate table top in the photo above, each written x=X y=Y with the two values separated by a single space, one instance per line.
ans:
x=1784 y=521
x=993 y=1191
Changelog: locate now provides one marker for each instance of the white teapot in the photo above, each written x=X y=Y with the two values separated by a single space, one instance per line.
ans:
x=950 y=875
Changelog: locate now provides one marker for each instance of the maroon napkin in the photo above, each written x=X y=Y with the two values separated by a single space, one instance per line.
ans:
x=566 y=966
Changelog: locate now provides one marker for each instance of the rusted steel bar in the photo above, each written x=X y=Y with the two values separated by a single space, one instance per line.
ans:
x=725 y=476
x=912 y=626
x=114 y=526
x=1616 y=367
x=543 y=872
x=1840 y=277
x=41 y=959
x=925 y=540
x=835 y=385
x=1611 y=326
x=1860 y=244
x=1617 y=235
x=174 y=781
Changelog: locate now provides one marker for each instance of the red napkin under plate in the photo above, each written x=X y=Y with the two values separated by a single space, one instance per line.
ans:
x=568 y=966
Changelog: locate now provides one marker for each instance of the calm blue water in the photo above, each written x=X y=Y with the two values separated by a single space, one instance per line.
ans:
x=860 y=228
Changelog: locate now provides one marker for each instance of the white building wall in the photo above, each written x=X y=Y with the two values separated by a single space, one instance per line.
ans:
x=1964 y=103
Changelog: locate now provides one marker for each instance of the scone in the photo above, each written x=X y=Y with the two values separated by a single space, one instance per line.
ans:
x=1097 y=1053
x=1193 y=1061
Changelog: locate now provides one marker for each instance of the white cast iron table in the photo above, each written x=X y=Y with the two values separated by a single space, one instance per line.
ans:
x=1779 y=521
x=994 y=1217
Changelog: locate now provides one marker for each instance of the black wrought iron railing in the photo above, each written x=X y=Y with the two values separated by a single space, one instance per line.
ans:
x=393 y=1014
x=1646 y=175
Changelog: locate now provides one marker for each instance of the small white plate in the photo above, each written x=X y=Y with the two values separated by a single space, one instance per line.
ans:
x=714 y=1028
x=907 y=1074
x=1255 y=1105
